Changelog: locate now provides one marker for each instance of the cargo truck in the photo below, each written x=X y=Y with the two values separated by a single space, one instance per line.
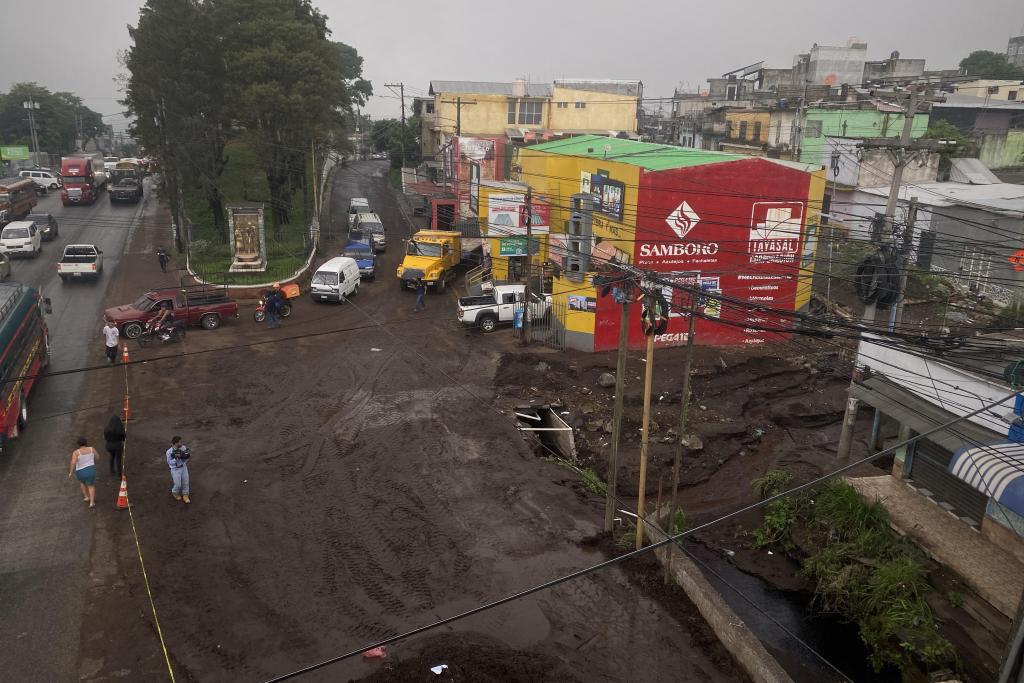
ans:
x=431 y=256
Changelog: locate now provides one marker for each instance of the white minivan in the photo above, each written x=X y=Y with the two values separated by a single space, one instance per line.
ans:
x=335 y=280
x=356 y=206
x=21 y=238
x=44 y=180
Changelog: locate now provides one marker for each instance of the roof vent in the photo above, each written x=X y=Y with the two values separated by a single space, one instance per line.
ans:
x=519 y=87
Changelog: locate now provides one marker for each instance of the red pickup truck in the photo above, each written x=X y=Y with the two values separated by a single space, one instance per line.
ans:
x=198 y=306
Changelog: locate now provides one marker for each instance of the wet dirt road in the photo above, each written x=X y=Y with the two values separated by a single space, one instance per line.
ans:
x=350 y=485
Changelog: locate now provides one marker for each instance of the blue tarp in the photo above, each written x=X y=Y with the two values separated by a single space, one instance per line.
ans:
x=997 y=470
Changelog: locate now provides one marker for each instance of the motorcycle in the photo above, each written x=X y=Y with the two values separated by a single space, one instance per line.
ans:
x=173 y=334
x=260 y=314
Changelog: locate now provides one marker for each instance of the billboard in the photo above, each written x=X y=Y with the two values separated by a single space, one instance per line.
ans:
x=474 y=187
x=607 y=196
x=506 y=215
x=14 y=153
x=712 y=228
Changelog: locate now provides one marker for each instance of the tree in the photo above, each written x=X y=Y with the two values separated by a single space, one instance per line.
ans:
x=59 y=118
x=940 y=129
x=289 y=85
x=175 y=90
x=988 y=64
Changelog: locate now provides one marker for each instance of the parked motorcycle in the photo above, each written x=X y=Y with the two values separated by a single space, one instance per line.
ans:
x=174 y=334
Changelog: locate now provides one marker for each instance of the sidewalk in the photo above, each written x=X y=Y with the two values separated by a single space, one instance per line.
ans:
x=995 y=574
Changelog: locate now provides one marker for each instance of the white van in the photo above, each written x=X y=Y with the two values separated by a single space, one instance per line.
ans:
x=44 y=179
x=335 y=280
x=356 y=206
x=370 y=224
x=21 y=238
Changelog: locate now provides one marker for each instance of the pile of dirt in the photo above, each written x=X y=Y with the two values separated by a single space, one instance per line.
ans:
x=751 y=410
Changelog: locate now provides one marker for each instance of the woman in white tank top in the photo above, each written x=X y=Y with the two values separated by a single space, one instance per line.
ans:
x=83 y=466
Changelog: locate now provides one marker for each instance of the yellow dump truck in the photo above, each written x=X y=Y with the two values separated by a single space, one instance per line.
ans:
x=431 y=255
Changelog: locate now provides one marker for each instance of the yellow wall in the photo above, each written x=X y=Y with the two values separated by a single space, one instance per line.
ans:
x=805 y=276
x=603 y=112
x=488 y=116
x=734 y=118
x=574 y=321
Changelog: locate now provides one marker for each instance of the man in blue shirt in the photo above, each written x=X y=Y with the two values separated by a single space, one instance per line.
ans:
x=177 y=459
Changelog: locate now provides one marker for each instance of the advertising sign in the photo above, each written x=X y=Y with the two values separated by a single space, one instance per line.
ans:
x=607 y=196
x=474 y=187
x=583 y=304
x=512 y=246
x=711 y=226
x=14 y=153
x=506 y=215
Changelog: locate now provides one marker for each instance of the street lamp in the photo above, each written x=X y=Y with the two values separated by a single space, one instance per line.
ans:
x=31 y=105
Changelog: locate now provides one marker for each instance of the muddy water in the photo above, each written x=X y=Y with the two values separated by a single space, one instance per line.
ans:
x=836 y=642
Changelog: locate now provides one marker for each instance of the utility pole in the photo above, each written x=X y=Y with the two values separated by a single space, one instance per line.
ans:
x=401 y=96
x=644 y=440
x=459 y=103
x=31 y=105
x=685 y=401
x=528 y=216
x=899 y=149
x=620 y=387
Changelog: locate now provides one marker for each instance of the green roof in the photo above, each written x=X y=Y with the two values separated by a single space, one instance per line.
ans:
x=647 y=155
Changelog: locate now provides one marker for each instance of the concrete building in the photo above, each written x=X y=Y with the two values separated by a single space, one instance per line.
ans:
x=996 y=128
x=831 y=66
x=697 y=217
x=855 y=121
x=1015 y=51
x=992 y=90
x=894 y=70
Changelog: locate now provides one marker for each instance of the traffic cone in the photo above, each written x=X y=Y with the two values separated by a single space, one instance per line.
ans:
x=124 y=354
x=122 y=495
x=125 y=409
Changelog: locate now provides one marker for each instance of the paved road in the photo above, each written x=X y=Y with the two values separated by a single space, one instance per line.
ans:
x=45 y=529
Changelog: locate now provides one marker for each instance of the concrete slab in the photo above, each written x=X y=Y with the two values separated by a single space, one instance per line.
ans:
x=994 y=573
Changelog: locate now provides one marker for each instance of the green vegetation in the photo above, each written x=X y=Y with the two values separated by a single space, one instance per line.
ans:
x=988 y=64
x=861 y=568
x=592 y=482
x=55 y=119
x=679 y=524
x=940 y=129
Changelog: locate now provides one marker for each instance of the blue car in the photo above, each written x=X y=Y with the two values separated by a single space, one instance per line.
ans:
x=364 y=256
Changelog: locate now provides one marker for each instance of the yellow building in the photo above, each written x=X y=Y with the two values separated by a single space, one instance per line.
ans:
x=747 y=126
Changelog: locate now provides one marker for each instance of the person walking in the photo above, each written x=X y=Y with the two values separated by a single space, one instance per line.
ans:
x=177 y=459
x=113 y=438
x=83 y=466
x=421 y=291
x=110 y=336
x=164 y=258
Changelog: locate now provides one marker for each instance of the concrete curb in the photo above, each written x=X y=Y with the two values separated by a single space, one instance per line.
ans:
x=748 y=650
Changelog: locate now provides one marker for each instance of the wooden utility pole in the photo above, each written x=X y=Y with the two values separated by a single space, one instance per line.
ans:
x=907 y=247
x=685 y=401
x=620 y=388
x=528 y=217
x=644 y=439
x=401 y=96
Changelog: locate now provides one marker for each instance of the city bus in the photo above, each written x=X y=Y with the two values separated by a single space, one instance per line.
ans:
x=17 y=197
x=24 y=353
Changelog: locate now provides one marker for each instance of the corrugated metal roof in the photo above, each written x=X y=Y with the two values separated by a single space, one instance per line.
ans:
x=998 y=198
x=968 y=102
x=487 y=88
x=972 y=171
x=650 y=156
x=605 y=85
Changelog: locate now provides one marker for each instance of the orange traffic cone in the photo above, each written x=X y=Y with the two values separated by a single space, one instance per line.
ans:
x=122 y=495
x=124 y=354
x=125 y=409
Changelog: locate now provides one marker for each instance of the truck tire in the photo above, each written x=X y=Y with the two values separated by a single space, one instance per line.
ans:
x=132 y=330
x=22 y=414
x=487 y=322
x=210 y=321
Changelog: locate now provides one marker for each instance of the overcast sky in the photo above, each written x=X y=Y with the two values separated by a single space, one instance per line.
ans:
x=665 y=44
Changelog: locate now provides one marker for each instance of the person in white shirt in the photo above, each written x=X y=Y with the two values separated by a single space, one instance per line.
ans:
x=110 y=335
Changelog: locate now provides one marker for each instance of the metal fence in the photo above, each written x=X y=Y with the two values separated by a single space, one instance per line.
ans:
x=547 y=329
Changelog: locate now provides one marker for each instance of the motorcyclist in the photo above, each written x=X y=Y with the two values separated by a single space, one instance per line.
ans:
x=161 y=324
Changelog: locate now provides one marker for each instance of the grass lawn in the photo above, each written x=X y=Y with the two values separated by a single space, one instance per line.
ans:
x=244 y=180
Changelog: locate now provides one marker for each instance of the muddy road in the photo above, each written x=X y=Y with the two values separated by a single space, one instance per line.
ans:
x=353 y=478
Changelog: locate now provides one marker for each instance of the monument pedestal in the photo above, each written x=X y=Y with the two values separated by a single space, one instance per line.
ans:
x=248 y=240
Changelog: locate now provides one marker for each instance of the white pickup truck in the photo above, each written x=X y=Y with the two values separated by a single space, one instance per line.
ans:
x=487 y=311
x=80 y=261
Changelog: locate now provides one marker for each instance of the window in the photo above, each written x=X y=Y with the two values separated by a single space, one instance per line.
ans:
x=730 y=92
x=1012 y=95
x=430 y=107
x=511 y=111
x=530 y=112
x=743 y=130
x=728 y=129
x=563 y=105
x=814 y=129
x=581 y=105
x=757 y=131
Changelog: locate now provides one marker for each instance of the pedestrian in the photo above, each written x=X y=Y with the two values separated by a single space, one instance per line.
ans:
x=110 y=335
x=163 y=257
x=421 y=290
x=83 y=466
x=113 y=437
x=177 y=459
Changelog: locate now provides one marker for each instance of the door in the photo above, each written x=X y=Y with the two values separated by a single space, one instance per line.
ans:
x=516 y=267
x=506 y=307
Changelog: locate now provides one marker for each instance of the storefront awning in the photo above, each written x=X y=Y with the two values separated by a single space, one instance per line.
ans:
x=997 y=470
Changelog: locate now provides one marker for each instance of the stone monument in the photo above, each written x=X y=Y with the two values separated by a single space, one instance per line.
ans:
x=248 y=239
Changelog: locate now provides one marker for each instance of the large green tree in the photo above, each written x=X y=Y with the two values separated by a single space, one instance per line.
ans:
x=60 y=118
x=988 y=64
x=961 y=145
x=175 y=89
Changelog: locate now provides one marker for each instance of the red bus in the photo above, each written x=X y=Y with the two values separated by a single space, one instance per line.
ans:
x=24 y=352
x=17 y=197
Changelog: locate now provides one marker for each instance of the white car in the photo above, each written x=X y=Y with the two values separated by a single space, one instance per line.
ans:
x=21 y=238
x=43 y=178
